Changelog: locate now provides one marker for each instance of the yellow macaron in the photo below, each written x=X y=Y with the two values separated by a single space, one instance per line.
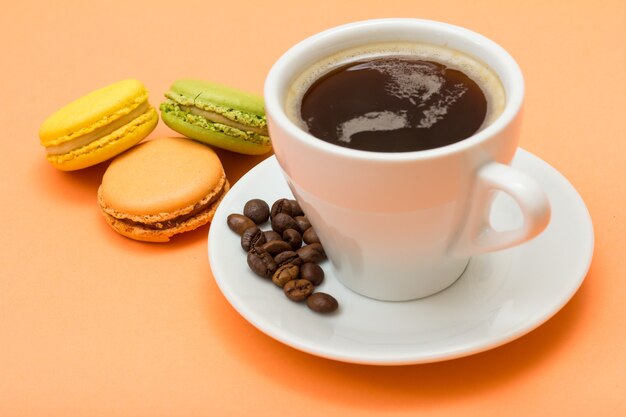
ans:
x=98 y=126
x=162 y=187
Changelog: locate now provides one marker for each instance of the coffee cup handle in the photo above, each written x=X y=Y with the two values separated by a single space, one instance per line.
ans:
x=477 y=235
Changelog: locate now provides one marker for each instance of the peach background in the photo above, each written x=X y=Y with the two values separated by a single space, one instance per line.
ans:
x=93 y=324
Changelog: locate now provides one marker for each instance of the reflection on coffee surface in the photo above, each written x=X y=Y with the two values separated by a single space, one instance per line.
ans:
x=394 y=105
x=400 y=101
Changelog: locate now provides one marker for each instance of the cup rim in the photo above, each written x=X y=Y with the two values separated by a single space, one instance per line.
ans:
x=279 y=75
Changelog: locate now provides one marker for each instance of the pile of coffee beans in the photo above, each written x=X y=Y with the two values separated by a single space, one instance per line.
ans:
x=289 y=254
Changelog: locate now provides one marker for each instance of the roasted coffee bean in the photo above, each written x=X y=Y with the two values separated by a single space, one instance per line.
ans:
x=276 y=246
x=298 y=289
x=284 y=274
x=238 y=223
x=287 y=257
x=257 y=210
x=303 y=223
x=295 y=209
x=320 y=302
x=293 y=238
x=312 y=272
x=261 y=262
x=282 y=206
x=271 y=235
x=278 y=254
x=252 y=236
x=310 y=236
x=282 y=222
x=312 y=253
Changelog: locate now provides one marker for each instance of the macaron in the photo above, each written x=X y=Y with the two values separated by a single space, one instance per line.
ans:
x=161 y=188
x=98 y=126
x=218 y=115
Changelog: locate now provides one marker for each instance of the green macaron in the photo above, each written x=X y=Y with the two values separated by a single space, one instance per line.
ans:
x=217 y=115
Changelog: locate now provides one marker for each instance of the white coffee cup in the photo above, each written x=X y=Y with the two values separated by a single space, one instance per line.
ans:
x=401 y=226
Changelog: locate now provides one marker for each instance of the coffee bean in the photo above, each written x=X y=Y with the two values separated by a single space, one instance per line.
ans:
x=295 y=209
x=238 y=223
x=312 y=272
x=320 y=302
x=302 y=222
x=287 y=257
x=261 y=262
x=271 y=235
x=282 y=206
x=284 y=274
x=276 y=246
x=298 y=289
x=310 y=236
x=282 y=222
x=257 y=210
x=252 y=236
x=312 y=253
x=293 y=238
x=278 y=253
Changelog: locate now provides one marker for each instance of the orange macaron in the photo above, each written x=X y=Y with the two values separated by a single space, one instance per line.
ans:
x=161 y=188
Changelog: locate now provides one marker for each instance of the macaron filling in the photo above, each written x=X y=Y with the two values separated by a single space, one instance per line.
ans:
x=98 y=133
x=170 y=108
x=178 y=220
x=231 y=113
x=157 y=222
x=218 y=118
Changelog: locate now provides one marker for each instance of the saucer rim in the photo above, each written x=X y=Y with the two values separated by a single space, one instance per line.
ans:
x=479 y=345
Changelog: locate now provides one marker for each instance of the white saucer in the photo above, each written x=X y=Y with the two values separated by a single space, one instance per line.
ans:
x=500 y=297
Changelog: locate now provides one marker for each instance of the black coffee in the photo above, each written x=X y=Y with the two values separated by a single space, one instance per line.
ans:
x=393 y=104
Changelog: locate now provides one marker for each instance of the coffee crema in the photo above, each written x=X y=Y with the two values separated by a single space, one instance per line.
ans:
x=396 y=98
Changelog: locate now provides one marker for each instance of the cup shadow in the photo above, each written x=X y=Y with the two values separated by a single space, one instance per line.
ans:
x=368 y=387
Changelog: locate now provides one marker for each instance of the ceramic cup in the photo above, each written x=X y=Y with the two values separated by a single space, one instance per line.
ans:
x=401 y=226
